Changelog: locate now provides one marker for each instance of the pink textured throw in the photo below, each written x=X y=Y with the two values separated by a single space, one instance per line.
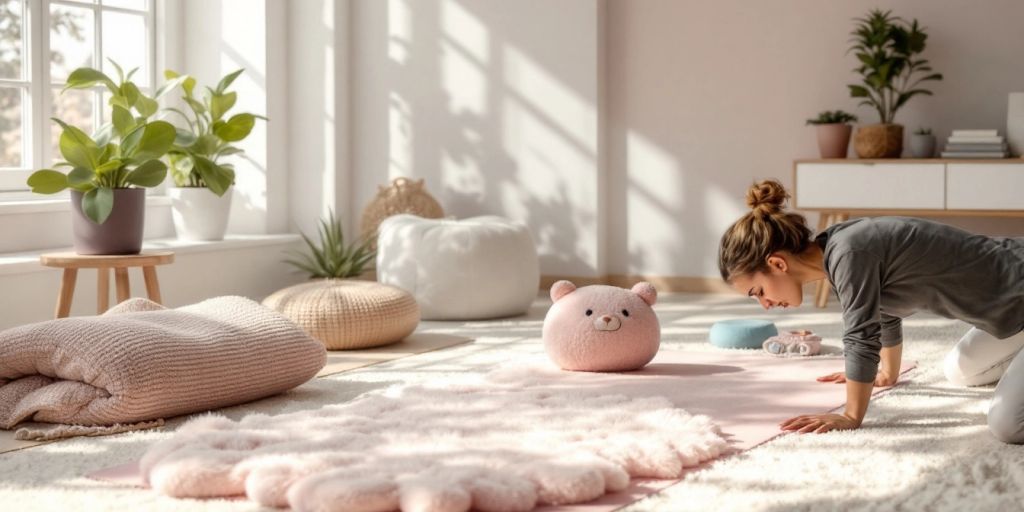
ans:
x=747 y=395
x=507 y=443
x=142 y=362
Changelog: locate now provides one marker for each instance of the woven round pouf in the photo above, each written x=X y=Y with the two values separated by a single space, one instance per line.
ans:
x=741 y=333
x=346 y=314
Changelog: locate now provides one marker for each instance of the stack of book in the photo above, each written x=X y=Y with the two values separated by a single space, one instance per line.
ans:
x=975 y=144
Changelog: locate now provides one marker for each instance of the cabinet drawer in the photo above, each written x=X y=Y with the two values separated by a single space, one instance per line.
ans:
x=985 y=186
x=870 y=186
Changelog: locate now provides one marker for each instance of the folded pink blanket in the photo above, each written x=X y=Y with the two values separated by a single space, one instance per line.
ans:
x=140 y=361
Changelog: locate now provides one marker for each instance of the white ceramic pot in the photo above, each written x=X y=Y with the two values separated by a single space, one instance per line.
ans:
x=199 y=214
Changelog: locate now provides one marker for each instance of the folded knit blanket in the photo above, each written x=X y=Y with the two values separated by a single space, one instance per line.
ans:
x=141 y=361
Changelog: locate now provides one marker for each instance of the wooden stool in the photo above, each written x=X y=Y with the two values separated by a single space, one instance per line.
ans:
x=71 y=262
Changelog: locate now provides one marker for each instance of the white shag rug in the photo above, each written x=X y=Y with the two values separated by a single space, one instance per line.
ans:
x=924 y=446
x=504 y=444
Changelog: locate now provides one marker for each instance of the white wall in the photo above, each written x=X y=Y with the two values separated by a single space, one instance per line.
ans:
x=627 y=140
x=494 y=104
x=221 y=36
x=319 y=167
x=705 y=97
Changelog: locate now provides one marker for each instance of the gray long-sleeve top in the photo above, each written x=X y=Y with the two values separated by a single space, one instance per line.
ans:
x=886 y=268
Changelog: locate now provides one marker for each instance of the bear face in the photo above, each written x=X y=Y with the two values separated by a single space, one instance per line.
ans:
x=601 y=328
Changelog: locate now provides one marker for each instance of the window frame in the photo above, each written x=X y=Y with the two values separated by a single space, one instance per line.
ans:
x=37 y=85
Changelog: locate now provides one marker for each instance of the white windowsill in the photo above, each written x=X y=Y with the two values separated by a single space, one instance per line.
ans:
x=26 y=262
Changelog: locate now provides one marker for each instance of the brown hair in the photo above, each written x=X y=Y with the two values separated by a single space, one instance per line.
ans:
x=768 y=228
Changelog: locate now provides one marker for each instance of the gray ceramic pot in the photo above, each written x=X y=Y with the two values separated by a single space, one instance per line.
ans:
x=121 y=233
x=922 y=146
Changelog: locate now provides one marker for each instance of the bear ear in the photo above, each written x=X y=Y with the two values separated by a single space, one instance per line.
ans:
x=646 y=291
x=561 y=289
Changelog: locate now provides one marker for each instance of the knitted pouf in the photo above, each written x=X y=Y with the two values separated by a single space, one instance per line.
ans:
x=469 y=269
x=741 y=333
x=346 y=314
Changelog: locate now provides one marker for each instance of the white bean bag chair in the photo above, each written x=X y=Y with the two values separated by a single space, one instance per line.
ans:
x=476 y=268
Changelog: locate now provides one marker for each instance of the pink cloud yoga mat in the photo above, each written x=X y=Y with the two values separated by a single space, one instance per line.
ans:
x=747 y=393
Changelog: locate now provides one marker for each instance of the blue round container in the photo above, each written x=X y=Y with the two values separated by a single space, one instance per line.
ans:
x=741 y=333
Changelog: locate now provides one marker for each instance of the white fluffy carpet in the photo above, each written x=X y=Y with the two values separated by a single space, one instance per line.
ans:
x=504 y=444
x=925 y=445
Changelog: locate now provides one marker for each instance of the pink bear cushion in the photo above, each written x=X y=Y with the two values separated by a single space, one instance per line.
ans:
x=601 y=328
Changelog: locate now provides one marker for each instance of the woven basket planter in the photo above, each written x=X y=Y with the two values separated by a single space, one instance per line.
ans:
x=346 y=314
x=402 y=196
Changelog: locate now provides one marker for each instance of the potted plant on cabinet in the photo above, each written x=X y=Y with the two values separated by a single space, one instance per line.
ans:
x=201 y=198
x=922 y=143
x=833 y=132
x=108 y=168
x=887 y=48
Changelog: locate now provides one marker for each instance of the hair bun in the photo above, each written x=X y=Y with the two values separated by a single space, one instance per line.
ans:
x=767 y=197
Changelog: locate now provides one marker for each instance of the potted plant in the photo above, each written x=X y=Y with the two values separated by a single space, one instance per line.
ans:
x=891 y=73
x=333 y=258
x=109 y=169
x=201 y=198
x=922 y=143
x=833 y=132
x=344 y=313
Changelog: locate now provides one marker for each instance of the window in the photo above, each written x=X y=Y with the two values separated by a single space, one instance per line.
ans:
x=71 y=34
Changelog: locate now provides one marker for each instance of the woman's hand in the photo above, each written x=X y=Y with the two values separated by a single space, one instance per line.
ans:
x=819 y=423
x=882 y=379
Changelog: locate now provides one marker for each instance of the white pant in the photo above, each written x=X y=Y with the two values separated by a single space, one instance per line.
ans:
x=980 y=358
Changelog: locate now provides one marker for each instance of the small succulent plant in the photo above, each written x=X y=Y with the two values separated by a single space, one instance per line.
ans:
x=833 y=117
x=332 y=258
x=923 y=131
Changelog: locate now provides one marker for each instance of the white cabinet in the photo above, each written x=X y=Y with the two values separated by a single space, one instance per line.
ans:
x=883 y=186
x=985 y=187
x=928 y=187
x=932 y=187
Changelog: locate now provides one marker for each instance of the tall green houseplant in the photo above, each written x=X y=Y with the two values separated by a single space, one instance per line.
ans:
x=197 y=152
x=121 y=154
x=892 y=72
x=200 y=204
x=111 y=165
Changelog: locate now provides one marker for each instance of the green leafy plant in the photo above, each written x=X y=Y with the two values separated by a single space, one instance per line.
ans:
x=195 y=157
x=123 y=153
x=833 y=117
x=332 y=258
x=923 y=131
x=887 y=48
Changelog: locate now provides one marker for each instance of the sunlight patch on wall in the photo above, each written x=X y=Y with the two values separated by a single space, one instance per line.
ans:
x=328 y=173
x=573 y=115
x=399 y=136
x=463 y=81
x=465 y=30
x=552 y=132
x=399 y=30
x=555 y=184
x=655 y=206
x=464 y=176
x=244 y=45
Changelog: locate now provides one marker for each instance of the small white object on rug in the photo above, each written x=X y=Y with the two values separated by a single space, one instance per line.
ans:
x=505 y=443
